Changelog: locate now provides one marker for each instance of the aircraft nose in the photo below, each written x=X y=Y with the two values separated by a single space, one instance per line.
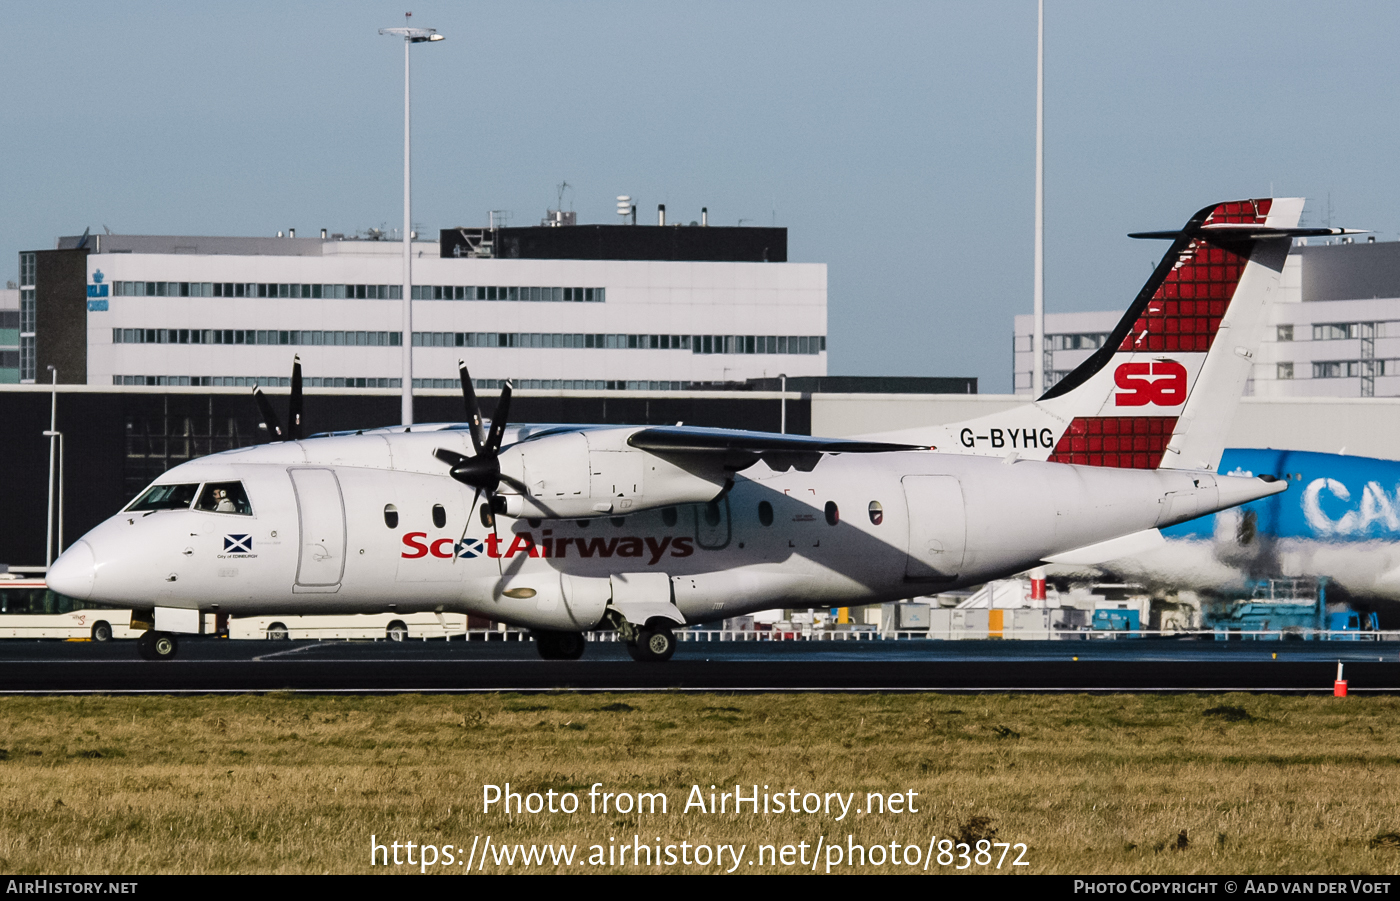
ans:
x=73 y=572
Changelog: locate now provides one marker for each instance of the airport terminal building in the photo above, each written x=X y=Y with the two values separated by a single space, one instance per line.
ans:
x=1334 y=331
x=591 y=307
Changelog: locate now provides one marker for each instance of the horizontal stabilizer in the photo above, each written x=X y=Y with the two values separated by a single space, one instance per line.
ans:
x=1242 y=231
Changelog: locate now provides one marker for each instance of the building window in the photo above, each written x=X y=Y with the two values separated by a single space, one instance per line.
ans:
x=1285 y=333
x=1334 y=369
x=26 y=358
x=26 y=311
x=1334 y=331
x=1084 y=341
x=1285 y=370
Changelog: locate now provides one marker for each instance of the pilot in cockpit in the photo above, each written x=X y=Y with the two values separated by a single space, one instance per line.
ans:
x=224 y=497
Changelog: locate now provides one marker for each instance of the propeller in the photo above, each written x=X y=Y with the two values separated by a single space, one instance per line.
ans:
x=269 y=417
x=482 y=470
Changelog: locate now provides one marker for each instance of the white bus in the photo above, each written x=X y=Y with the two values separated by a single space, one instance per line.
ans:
x=391 y=626
x=28 y=609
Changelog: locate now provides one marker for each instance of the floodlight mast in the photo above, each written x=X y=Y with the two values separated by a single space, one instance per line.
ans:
x=410 y=36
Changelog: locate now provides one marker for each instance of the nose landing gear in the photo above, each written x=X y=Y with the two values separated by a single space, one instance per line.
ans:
x=153 y=645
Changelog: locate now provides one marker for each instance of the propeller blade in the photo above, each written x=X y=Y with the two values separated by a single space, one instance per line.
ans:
x=498 y=421
x=294 y=405
x=451 y=458
x=466 y=527
x=491 y=499
x=274 y=428
x=473 y=408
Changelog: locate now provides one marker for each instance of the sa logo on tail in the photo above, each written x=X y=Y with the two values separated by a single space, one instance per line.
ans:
x=1166 y=389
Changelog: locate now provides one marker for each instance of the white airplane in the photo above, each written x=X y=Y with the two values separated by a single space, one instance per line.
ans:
x=639 y=528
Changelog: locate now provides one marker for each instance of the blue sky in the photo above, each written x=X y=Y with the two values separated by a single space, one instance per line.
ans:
x=895 y=141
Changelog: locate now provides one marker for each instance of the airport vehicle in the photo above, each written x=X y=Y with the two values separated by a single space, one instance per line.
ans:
x=1291 y=609
x=561 y=529
x=1154 y=395
x=29 y=609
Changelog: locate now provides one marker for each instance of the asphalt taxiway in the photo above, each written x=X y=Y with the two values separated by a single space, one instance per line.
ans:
x=207 y=665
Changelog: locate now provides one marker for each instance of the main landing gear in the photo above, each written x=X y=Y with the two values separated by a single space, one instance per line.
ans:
x=652 y=643
x=153 y=645
x=560 y=645
x=655 y=643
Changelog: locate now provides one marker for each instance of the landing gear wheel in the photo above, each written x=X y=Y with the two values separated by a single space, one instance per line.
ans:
x=560 y=645
x=570 y=645
x=101 y=630
x=157 y=645
x=655 y=644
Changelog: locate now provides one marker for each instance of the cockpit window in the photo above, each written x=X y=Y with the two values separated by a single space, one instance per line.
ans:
x=225 y=497
x=164 y=497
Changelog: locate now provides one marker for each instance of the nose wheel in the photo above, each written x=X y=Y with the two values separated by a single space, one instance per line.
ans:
x=154 y=645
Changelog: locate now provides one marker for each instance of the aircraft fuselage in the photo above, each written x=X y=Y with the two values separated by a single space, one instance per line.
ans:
x=369 y=523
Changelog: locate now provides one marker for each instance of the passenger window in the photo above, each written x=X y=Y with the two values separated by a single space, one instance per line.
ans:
x=877 y=513
x=439 y=516
x=668 y=516
x=765 y=513
x=164 y=497
x=391 y=516
x=224 y=497
x=833 y=516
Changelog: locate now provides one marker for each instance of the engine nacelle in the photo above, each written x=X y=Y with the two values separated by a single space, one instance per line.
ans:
x=575 y=475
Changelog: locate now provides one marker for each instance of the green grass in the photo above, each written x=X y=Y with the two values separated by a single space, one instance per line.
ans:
x=1091 y=784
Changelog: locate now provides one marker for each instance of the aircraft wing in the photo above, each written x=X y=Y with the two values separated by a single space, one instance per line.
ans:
x=695 y=440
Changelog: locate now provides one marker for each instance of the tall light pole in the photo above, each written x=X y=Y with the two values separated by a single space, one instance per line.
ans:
x=410 y=36
x=1038 y=327
x=51 y=434
x=782 y=388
